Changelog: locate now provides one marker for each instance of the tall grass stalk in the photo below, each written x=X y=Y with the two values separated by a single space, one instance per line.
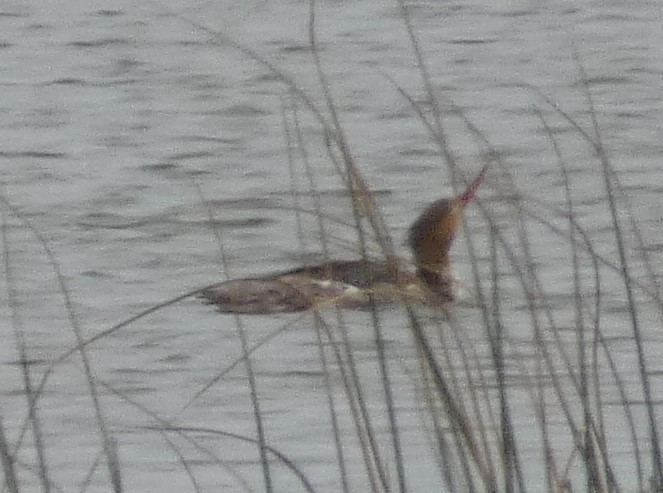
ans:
x=473 y=383
x=24 y=358
x=107 y=443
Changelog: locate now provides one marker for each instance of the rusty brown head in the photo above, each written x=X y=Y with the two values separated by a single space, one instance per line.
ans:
x=432 y=234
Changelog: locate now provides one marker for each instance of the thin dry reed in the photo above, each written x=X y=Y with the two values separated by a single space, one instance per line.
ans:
x=470 y=397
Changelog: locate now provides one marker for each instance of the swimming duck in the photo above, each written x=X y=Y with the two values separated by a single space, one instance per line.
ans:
x=354 y=283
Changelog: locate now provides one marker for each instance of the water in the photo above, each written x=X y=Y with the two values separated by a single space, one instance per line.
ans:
x=120 y=123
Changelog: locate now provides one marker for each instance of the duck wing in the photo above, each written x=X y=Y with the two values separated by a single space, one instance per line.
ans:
x=363 y=274
x=256 y=297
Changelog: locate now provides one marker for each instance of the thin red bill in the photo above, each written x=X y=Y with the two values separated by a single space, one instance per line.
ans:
x=469 y=194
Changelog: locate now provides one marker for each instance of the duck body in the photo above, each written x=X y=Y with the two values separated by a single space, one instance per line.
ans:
x=355 y=284
x=350 y=284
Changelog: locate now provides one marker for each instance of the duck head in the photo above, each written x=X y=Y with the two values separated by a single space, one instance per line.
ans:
x=432 y=235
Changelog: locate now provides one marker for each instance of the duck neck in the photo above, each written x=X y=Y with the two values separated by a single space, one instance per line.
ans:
x=439 y=281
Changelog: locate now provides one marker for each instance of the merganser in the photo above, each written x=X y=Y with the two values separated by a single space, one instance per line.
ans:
x=354 y=283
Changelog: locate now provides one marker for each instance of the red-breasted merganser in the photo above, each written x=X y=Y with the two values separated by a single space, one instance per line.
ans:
x=352 y=284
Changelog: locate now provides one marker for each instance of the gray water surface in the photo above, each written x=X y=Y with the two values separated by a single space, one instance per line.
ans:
x=124 y=126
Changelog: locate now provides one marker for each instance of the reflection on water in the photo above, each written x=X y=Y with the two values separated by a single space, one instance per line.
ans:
x=129 y=132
